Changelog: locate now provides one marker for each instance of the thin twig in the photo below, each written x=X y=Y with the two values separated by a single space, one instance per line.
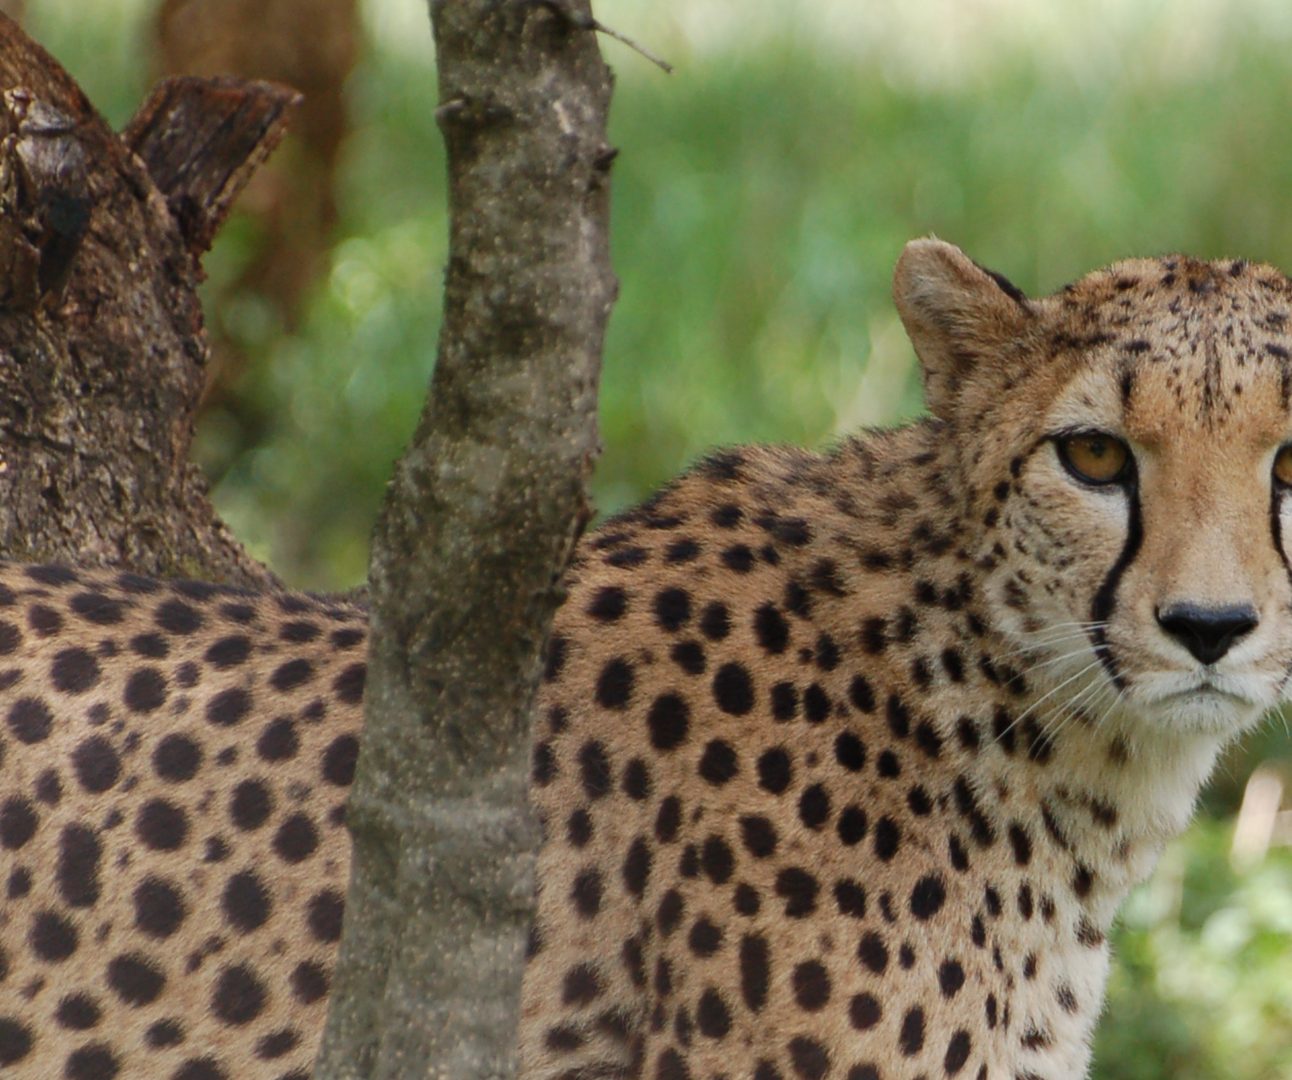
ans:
x=585 y=21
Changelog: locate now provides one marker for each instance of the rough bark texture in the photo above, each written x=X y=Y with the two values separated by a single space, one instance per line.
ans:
x=102 y=351
x=479 y=522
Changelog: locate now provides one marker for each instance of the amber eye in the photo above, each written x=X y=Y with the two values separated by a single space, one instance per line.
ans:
x=1096 y=458
x=1283 y=466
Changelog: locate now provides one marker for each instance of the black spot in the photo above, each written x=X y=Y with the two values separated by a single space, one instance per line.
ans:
x=811 y=1062
x=770 y=629
x=712 y=1016
x=636 y=780
x=228 y=707
x=1021 y=843
x=958 y=1049
x=727 y=516
x=816 y=704
x=594 y=769
x=77 y=873
x=96 y=764
x=246 y=902
x=799 y=890
x=279 y=741
x=689 y=656
x=296 y=839
x=615 y=684
x=177 y=758
x=814 y=806
x=668 y=721
x=874 y=635
x=669 y=912
x=177 y=617
x=864 y=1012
x=16 y=1041
x=135 y=979
x=758 y=835
x=705 y=938
x=719 y=763
x=554 y=657
x=637 y=865
x=738 y=558
x=10 y=638
x=733 y=689
x=309 y=982
x=755 y=970
x=785 y=701
x=899 y=719
x=348 y=686
x=717 y=860
x=250 y=805
x=239 y=995
x=888 y=837
x=326 y=909
x=911 y=1038
x=861 y=695
x=276 y=1044
x=339 y=760
x=928 y=896
x=580 y=986
x=52 y=937
x=145 y=690
x=811 y=986
x=850 y=752
x=852 y=825
x=668 y=819
x=78 y=1012
x=291 y=674
x=167 y=1034
x=715 y=621
x=161 y=825
x=45 y=621
x=873 y=953
x=672 y=609
x=608 y=603
x=229 y=652
x=681 y=551
x=30 y=720
x=586 y=893
x=159 y=908
x=775 y=771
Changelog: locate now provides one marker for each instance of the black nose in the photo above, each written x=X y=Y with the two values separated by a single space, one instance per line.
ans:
x=1207 y=632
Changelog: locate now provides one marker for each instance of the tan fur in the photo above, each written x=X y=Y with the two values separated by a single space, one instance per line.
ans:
x=840 y=776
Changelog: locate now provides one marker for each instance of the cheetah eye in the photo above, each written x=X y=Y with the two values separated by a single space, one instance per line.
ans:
x=1095 y=457
x=1283 y=466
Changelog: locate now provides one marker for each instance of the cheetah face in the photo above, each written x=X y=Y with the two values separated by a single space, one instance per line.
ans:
x=1136 y=490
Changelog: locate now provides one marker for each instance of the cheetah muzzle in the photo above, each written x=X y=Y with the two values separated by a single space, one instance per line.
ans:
x=844 y=761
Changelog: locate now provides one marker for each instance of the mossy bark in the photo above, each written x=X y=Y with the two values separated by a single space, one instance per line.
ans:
x=479 y=523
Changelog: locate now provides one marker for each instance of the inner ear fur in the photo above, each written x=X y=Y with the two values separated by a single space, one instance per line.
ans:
x=958 y=315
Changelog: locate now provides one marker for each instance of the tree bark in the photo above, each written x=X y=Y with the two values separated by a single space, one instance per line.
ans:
x=102 y=351
x=478 y=526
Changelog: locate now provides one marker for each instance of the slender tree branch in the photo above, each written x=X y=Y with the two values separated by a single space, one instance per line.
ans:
x=480 y=520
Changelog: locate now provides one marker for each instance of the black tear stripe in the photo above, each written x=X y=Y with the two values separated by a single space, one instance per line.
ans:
x=1106 y=598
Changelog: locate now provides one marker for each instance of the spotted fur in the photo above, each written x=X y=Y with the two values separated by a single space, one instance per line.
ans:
x=844 y=760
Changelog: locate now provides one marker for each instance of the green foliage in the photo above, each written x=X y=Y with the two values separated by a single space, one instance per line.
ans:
x=761 y=198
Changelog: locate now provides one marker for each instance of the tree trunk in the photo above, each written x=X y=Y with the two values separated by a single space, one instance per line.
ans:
x=479 y=523
x=102 y=351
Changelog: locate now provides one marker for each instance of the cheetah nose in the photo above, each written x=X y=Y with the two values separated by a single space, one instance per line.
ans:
x=1207 y=632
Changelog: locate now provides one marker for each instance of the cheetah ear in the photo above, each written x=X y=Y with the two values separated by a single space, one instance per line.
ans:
x=957 y=314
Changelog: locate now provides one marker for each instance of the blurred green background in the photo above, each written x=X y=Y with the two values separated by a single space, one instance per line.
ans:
x=761 y=197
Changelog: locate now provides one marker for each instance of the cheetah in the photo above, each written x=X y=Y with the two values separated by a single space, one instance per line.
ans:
x=844 y=761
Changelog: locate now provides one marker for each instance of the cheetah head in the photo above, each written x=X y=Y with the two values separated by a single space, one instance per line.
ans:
x=1125 y=450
